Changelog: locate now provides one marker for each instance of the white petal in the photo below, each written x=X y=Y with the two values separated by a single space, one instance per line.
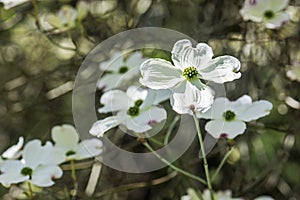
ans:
x=101 y=126
x=8 y=4
x=88 y=148
x=192 y=100
x=264 y=198
x=257 y=110
x=114 y=100
x=222 y=69
x=217 y=109
x=35 y=154
x=109 y=81
x=65 y=136
x=44 y=174
x=114 y=63
x=243 y=100
x=14 y=151
x=155 y=97
x=160 y=74
x=136 y=93
x=184 y=55
x=134 y=60
x=152 y=115
x=277 y=5
x=11 y=172
x=221 y=128
x=254 y=9
x=278 y=20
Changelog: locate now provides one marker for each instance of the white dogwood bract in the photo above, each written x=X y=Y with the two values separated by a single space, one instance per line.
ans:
x=67 y=144
x=35 y=166
x=136 y=109
x=270 y=12
x=228 y=117
x=14 y=151
x=190 y=65
x=120 y=69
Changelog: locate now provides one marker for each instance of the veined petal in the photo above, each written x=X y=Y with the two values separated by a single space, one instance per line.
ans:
x=192 y=100
x=278 y=20
x=136 y=93
x=88 y=148
x=14 y=151
x=134 y=60
x=217 y=109
x=101 y=126
x=113 y=64
x=35 y=154
x=160 y=74
x=185 y=55
x=43 y=175
x=114 y=100
x=221 y=128
x=254 y=111
x=254 y=10
x=109 y=81
x=222 y=69
x=277 y=5
x=65 y=136
x=11 y=172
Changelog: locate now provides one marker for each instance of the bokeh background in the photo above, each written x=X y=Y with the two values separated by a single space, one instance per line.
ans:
x=41 y=53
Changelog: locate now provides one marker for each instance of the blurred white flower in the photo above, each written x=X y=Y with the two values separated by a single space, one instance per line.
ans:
x=119 y=70
x=35 y=167
x=270 y=12
x=67 y=143
x=190 y=65
x=229 y=117
x=14 y=151
x=136 y=109
x=64 y=19
x=8 y=4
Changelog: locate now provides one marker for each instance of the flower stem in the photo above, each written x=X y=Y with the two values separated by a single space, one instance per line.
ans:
x=204 y=157
x=221 y=165
x=169 y=132
x=173 y=166
x=36 y=14
x=30 y=191
x=74 y=191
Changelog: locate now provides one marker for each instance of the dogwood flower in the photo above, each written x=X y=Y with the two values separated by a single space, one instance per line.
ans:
x=270 y=12
x=136 y=109
x=229 y=117
x=190 y=65
x=67 y=143
x=35 y=167
x=120 y=69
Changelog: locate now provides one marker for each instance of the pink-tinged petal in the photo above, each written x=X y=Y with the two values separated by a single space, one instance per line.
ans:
x=114 y=100
x=101 y=126
x=43 y=175
x=109 y=81
x=222 y=69
x=65 y=136
x=160 y=74
x=254 y=111
x=278 y=20
x=277 y=5
x=254 y=9
x=220 y=128
x=185 y=55
x=149 y=116
x=88 y=148
x=192 y=100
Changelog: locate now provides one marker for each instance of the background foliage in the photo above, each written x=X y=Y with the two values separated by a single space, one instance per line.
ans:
x=38 y=66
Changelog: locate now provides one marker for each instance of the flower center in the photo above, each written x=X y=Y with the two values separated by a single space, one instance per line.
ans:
x=69 y=153
x=269 y=14
x=229 y=115
x=27 y=171
x=123 y=69
x=190 y=73
x=134 y=110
